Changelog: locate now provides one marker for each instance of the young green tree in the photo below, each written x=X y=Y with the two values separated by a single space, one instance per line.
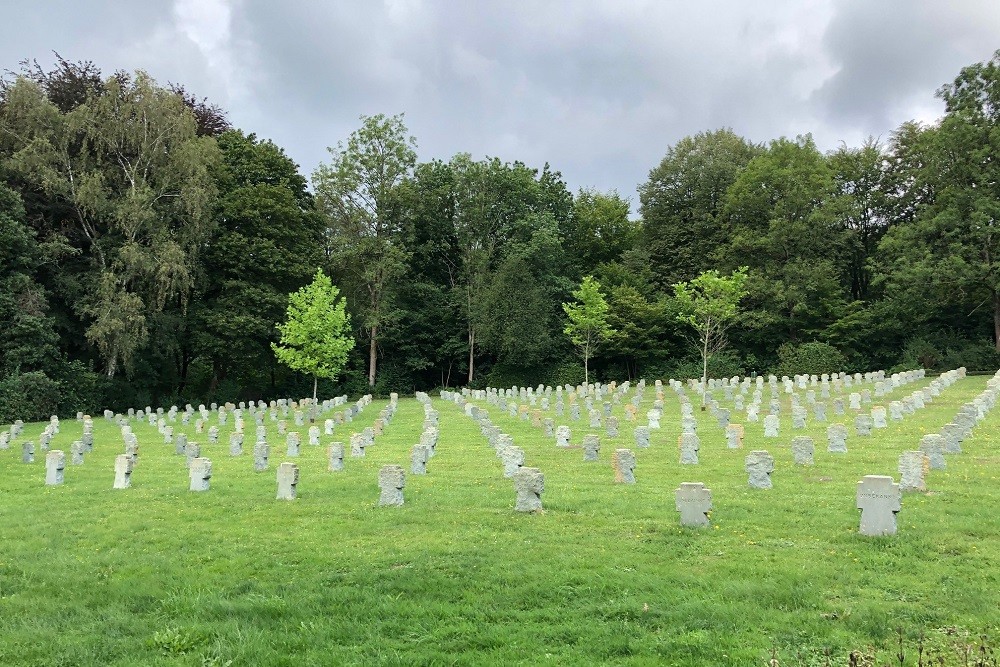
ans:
x=358 y=191
x=709 y=304
x=315 y=337
x=588 y=324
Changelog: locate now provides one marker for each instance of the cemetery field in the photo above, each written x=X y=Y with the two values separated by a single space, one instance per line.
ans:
x=157 y=574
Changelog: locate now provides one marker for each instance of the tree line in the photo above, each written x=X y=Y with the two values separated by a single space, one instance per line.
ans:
x=148 y=250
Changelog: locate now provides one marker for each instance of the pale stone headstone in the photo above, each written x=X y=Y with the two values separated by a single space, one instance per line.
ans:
x=798 y=417
x=235 y=444
x=562 y=436
x=55 y=463
x=288 y=480
x=512 y=458
x=611 y=427
x=123 y=472
x=863 y=425
x=878 y=498
x=641 y=435
x=201 y=473
x=734 y=436
x=623 y=462
x=180 y=444
x=76 y=451
x=694 y=502
x=292 y=443
x=335 y=456
x=771 y=426
x=836 y=438
x=759 y=466
x=419 y=455
x=591 y=447
x=549 y=425
x=529 y=483
x=260 y=456
x=803 y=449
x=838 y=406
x=879 y=417
x=314 y=436
x=913 y=466
x=688 y=444
x=952 y=438
x=391 y=480
x=933 y=446
x=855 y=401
x=28 y=452
x=191 y=452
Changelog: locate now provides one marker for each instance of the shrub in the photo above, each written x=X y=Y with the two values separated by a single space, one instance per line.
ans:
x=29 y=396
x=809 y=359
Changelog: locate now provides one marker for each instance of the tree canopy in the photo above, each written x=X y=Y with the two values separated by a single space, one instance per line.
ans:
x=148 y=249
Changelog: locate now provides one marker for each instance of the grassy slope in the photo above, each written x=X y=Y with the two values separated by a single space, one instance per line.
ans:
x=159 y=575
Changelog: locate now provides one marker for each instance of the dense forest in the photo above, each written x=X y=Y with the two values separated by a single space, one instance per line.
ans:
x=147 y=250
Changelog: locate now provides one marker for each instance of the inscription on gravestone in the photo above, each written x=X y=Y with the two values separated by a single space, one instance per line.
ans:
x=879 y=499
x=694 y=502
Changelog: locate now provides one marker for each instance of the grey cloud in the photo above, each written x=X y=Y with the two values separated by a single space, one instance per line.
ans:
x=598 y=89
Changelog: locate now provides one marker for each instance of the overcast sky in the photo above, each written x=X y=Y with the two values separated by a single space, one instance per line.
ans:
x=599 y=89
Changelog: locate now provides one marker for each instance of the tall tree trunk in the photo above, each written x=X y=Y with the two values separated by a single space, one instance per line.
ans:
x=372 y=350
x=312 y=408
x=472 y=353
x=704 y=372
x=996 y=319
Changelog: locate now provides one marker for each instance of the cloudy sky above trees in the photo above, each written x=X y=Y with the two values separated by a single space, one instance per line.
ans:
x=599 y=89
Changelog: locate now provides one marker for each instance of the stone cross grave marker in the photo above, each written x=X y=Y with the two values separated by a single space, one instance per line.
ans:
x=759 y=466
x=803 y=449
x=688 y=444
x=836 y=438
x=123 y=472
x=288 y=480
x=529 y=483
x=932 y=445
x=771 y=426
x=292 y=441
x=878 y=498
x=694 y=502
x=512 y=458
x=260 y=456
x=335 y=456
x=419 y=455
x=391 y=480
x=734 y=436
x=623 y=462
x=913 y=468
x=55 y=463
x=201 y=473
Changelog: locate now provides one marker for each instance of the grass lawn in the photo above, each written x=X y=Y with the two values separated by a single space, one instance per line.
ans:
x=157 y=574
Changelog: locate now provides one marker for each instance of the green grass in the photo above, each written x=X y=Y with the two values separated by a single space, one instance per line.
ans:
x=159 y=575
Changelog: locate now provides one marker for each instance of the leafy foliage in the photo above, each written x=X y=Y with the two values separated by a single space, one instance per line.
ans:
x=314 y=337
x=587 y=321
